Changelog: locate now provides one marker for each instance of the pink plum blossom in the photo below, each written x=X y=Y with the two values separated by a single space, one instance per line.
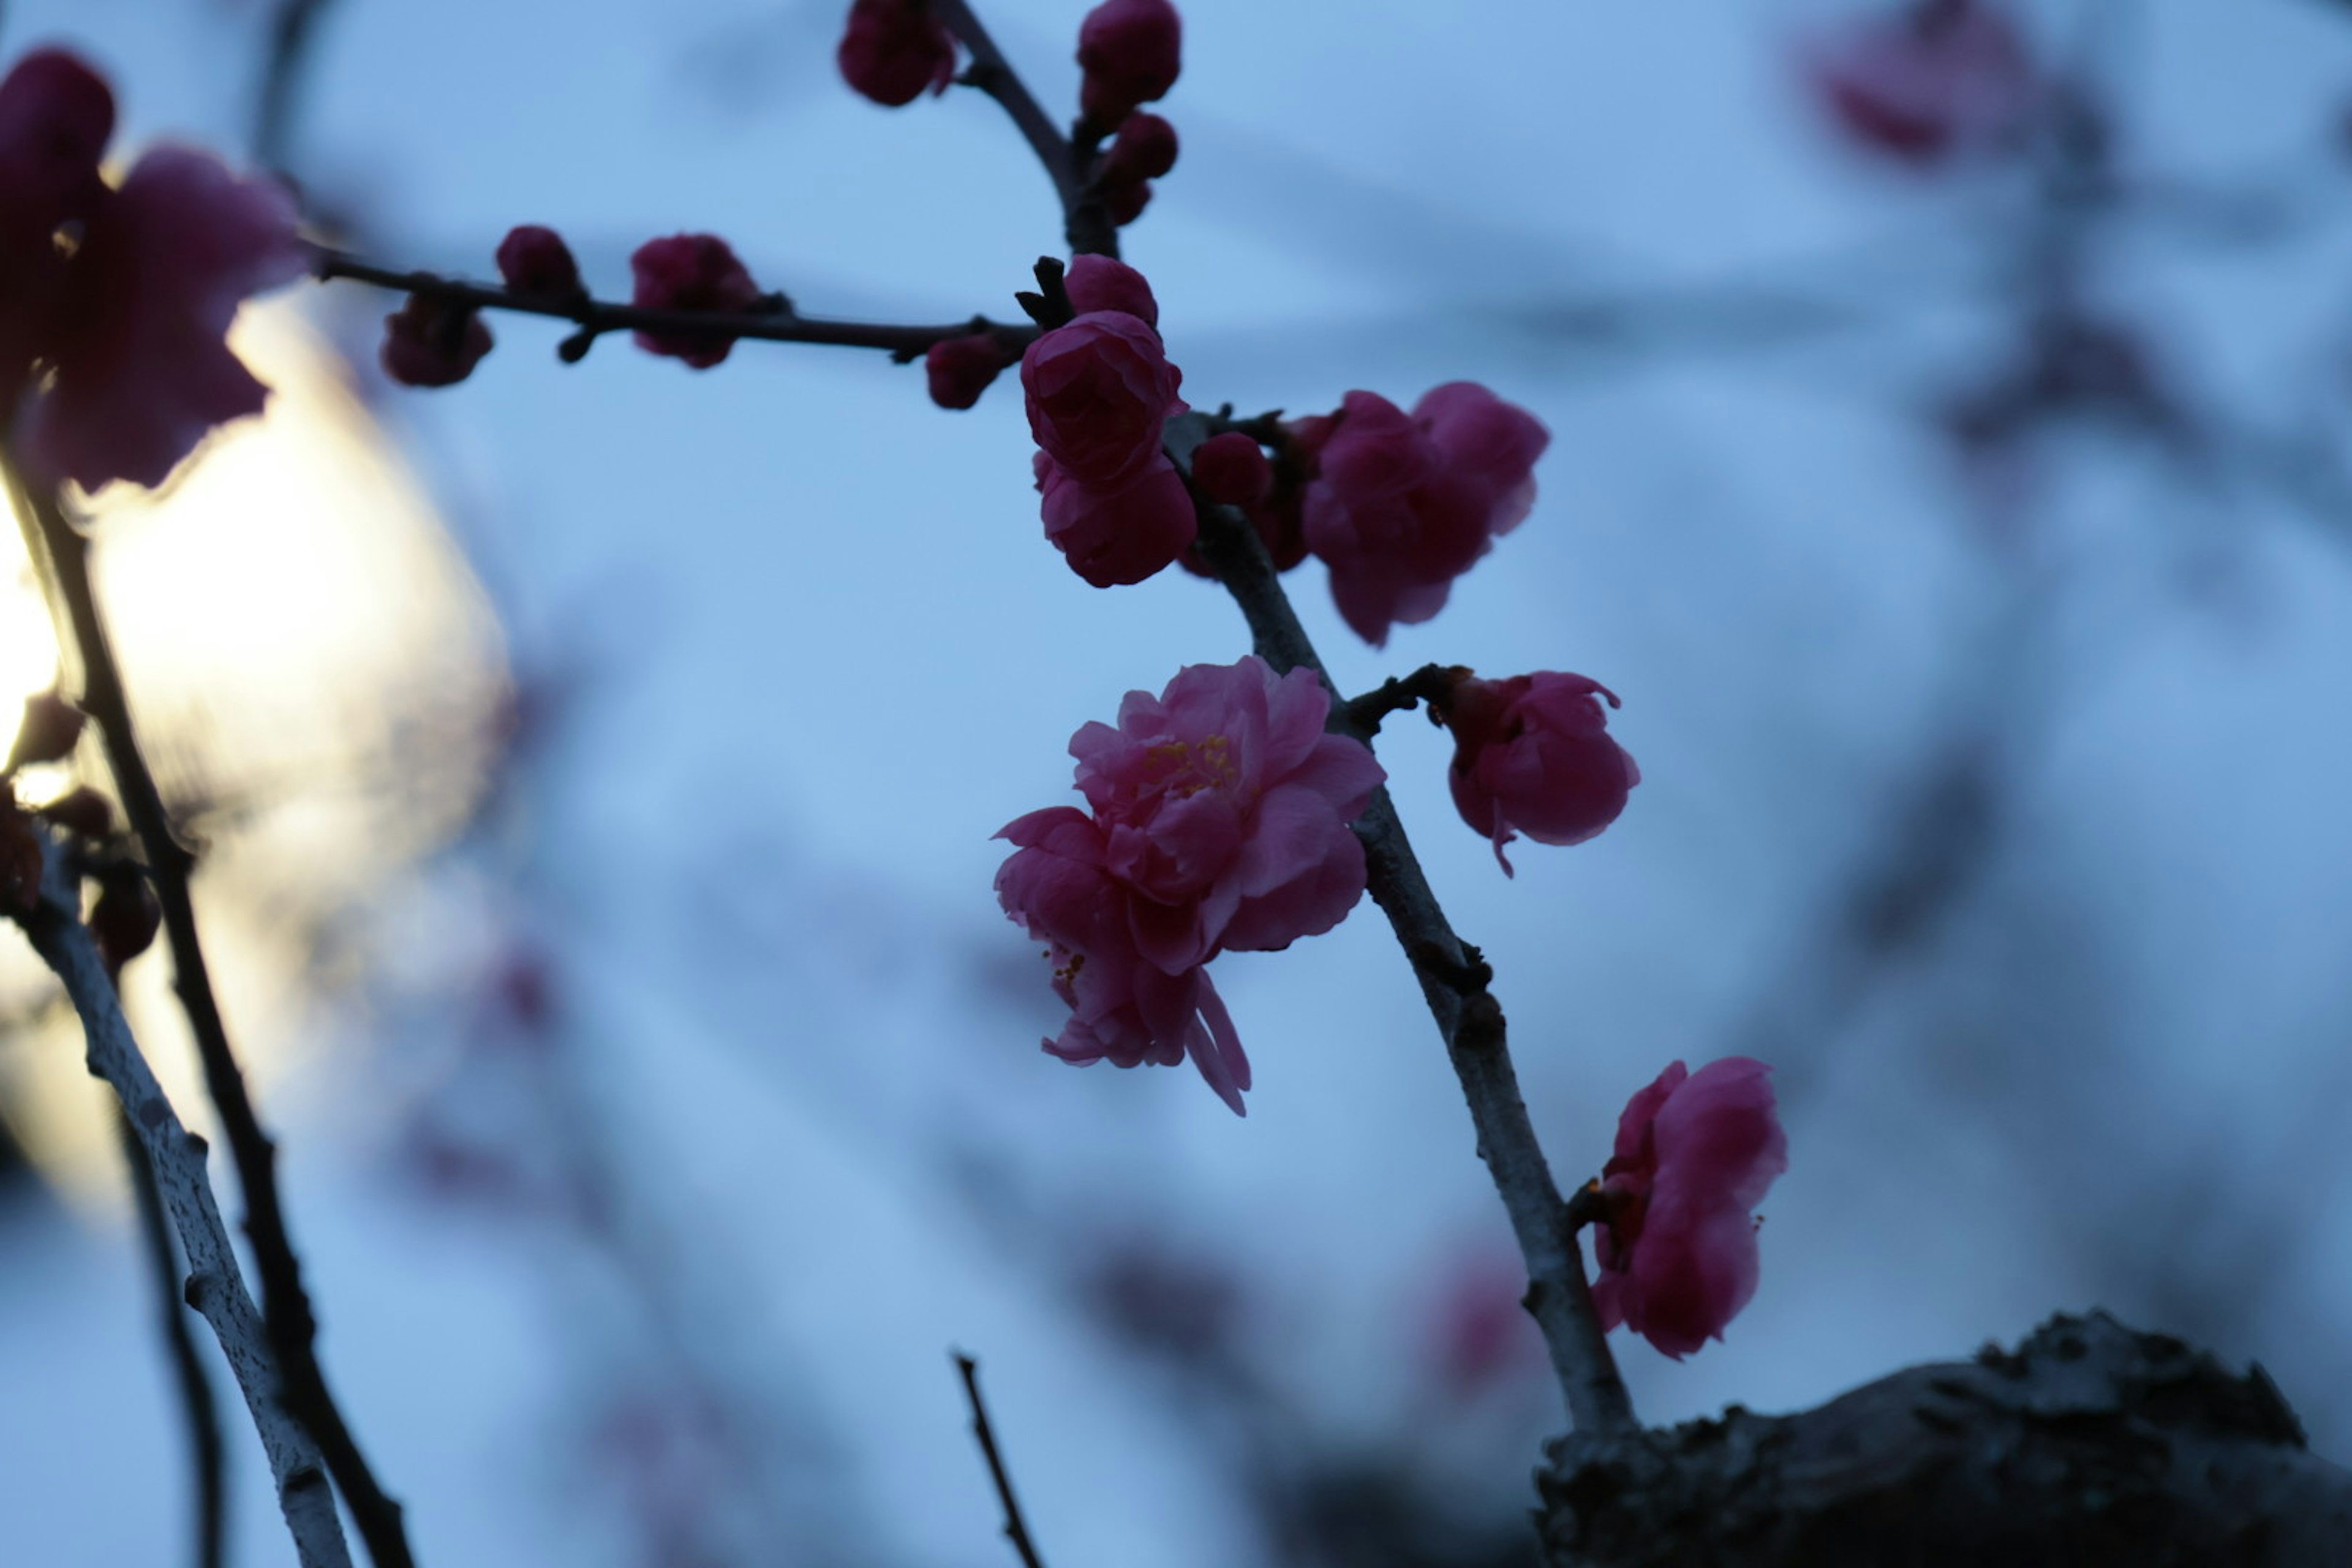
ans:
x=1099 y=389
x=1131 y=51
x=895 y=50
x=1218 y=818
x=1403 y=505
x=1533 y=754
x=1944 y=78
x=1120 y=533
x=1103 y=283
x=1694 y=1155
x=691 y=272
x=1231 y=469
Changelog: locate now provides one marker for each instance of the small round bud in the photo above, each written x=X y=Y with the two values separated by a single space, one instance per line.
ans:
x=48 y=732
x=691 y=272
x=125 y=918
x=895 y=50
x=959 y=369
x=1145 y=149
x=1101 y=283
x=535 y=260
x=1232 y=469
x=431 y=342
x=1131 y=51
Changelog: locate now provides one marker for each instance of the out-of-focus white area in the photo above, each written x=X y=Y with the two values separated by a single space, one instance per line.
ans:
x=805 y=651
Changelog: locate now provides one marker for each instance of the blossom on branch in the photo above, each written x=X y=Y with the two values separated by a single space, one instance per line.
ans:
x=123 y=297
x=1401 y=505
x=958 y=370
x=691 y=272
x=1105 y=283
x=432 y=342
x=1218 y=819
x=1695 y=1153
x=1144 y=150
x=895 y=50
x=1119 y=534
x=1533 y=754
x=1231 y=469
x=533 y=259
x=1100 y=390
x=1131 y=51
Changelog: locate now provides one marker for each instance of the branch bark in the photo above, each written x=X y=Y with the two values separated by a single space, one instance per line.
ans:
x=216 y=1287
x=207 y=1458
x=2090 y=1445
x=1452 y=982
x=1086 y=221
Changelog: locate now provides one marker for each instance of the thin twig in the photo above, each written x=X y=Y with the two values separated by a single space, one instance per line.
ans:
x=1016 y=1529
x=215 y=1288
x=293 y=1327
x=292 y=33
x=202 y=1411
x=595 y=317
x=1086 y=221
x=1468 y=1017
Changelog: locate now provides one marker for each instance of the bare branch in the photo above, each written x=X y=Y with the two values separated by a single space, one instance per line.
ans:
x=215 y=1288
x=207 y=1455
x=1016 y=1529
x=1086 y=221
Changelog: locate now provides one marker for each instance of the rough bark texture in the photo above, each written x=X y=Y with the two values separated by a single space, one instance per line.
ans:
x=2091 y=1444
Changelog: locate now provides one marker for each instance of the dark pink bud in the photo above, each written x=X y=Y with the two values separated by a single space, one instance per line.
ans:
x=430 y=342
x=125 y=918
x=535 y=260
x=1098 y=390
x=1125 y=204
x=1101 y=283
x=895 y=49
x=1533 y=754
x=1232 y=469
x=56 y=117
x=1145 y=149
x=49 y=731
x=691 y=272
x=1944 y=79
x=1130 y=51
x=1695 y=1153
x=959 y=369
x=1120 y=533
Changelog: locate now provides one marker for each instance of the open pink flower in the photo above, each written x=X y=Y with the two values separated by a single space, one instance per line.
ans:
x=1533 y=754
x=1944 y=79
x=895 y=50
x=1403 y=505
x=1695 y=1153
x=1122 y=533
x=1099 y=389
x=1131 y=51
x=1219 y=819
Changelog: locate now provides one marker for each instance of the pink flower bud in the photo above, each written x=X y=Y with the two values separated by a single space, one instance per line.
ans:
x=1218 y=818
x=1232 y=469
x=1101 y=283
x=125 y=918
x=431 y=342
x=691 y=272
x=895 y=49
x=48 y=732
x=1125 y=204
x=535 y=260
x=1945 y=78
x=1533 y=754
x=1130 y=51
x=1695 y=1153
x=1122 y=533
x=1145 y=149
x=1099 y=389
x=1403 y=505
x=959 y=369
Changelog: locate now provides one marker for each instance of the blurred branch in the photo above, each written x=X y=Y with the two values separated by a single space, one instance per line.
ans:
x=292 y=1326
x=1453 y=981
x=215 y=1286
x=292 y=33
x=597 y=317
x=1085 y=222
x=1016 y=1529
x=196 y=1402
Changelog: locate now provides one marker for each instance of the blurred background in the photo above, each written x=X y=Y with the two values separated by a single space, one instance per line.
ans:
x=597 y=765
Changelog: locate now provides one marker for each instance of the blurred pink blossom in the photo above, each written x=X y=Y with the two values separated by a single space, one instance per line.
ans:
x=691 y=272
x=895 y=50
x=1533 y=754
x=1944 y=78
x=1403 y=505
x=958 y=370
x=1131 y=51
x=1232 y=469
x=1695 y=1153
x=533 y=259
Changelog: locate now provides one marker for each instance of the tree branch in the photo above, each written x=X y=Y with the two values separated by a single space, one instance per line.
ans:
x=1016 y=1529
x=1452 y=980
x=215 y=1288
x=292 y=1326
x=1085 y=222
x=597 y=317
x=196 y=1403
x=292 y=32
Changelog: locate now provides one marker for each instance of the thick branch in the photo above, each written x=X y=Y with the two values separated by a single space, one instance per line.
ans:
x=1085 y=222
x=292 y=1326
x=197 y=1406
x=2090 y=1445
x=215 y=1286
x=1454 y=983
x=595 y=317
x=1016 y=1529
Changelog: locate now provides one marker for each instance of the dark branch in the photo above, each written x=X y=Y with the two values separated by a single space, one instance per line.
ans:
x=596 y=317
x=1431 y=683
x=1086 y=221
x=1016 y=1529
x=292 y=33
x=1452 y=982
x=292 y=1326
x=206 y=1457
